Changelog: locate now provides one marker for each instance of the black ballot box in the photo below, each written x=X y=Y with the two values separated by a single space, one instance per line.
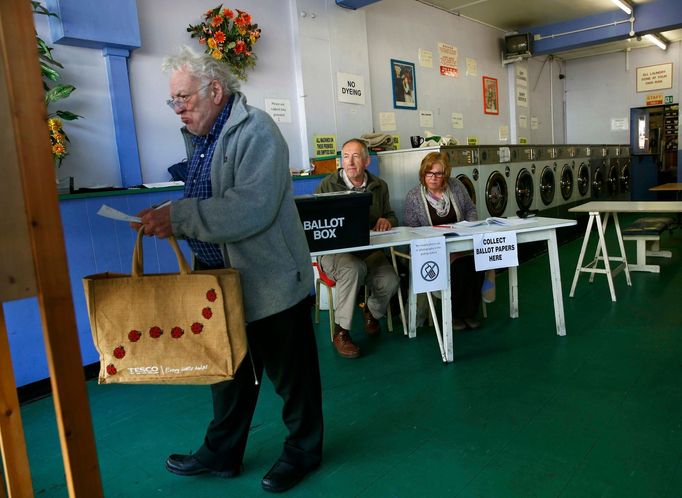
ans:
x=335 y=220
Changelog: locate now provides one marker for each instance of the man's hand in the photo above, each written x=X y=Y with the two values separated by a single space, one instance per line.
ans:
x=155 y=222
x=382 y=225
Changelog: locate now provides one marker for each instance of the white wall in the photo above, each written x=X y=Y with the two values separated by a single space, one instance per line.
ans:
x=163 y=23
x=298 y=59
x=604 y=87
x=397 y=29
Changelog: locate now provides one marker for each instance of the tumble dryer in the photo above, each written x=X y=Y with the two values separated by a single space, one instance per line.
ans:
x=523 y=176
x=464 y=162
x=547 y=178
x=624 y=177
x=612 y=166
x=583 y=180
x=495 y=185
x=600 y=170
x=567 y=174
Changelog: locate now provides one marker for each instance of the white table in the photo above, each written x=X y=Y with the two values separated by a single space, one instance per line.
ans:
x=536 y=230
x=612 y=208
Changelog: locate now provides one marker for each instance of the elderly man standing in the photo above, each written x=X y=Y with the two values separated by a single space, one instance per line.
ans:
x=350 y=270
x=238 y=211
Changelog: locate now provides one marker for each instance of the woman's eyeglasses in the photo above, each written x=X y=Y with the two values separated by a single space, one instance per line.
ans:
x=434 y=174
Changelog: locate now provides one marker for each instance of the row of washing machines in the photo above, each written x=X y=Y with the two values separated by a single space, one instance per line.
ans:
x=545 y=179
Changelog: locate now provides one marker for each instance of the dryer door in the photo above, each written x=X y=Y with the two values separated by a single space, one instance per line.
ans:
x=469 y=185
x=496 y=194
x=547 y=186
x=524 y=190
x=583 y=179
x=566 y=182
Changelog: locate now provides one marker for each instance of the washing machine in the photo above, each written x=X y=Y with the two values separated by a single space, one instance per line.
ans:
x=464 y=162
x=624 y=178
x=495 y=185
x=523 y=176
x=548 y=179
x=583 y=179
x=600 y=171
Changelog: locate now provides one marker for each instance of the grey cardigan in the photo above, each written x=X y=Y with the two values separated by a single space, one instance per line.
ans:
x=252 y=213
x=415 y=215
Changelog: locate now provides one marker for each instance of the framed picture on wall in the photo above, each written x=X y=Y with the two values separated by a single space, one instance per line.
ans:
x=404 y=85
x=491 y=96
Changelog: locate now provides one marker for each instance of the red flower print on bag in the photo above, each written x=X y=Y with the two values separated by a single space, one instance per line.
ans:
x=119 y=352
x=197 y=328
x=155 y=332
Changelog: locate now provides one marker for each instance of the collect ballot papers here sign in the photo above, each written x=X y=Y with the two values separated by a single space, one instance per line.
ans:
x=495 y=250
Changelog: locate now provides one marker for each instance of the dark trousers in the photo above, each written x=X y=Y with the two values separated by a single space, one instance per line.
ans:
x=465 y=285
x=284 y=344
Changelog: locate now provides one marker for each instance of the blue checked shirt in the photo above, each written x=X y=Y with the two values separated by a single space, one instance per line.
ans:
x=198 y=183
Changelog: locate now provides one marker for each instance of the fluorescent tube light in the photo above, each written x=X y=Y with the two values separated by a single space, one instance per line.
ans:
x=623 y=5
x=656 y=41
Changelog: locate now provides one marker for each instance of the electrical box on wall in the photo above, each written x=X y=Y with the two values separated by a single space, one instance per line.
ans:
x=354 y=4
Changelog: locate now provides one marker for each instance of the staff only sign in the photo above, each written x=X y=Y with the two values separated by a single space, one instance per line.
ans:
x=495 y=250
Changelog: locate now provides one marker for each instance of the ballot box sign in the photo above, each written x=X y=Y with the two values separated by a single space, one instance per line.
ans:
x=336 y=220
x=495 y=250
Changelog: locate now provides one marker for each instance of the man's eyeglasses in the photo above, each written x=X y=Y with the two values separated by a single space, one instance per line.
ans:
x=181 y=100
x=434 y=174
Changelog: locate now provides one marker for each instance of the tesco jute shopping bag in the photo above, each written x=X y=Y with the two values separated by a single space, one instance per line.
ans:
x=170 y=328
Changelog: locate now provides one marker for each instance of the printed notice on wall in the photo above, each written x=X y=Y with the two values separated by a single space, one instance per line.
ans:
x=523 y=121
x=279 y=110
x=425 y=58
x=472 y=67
x=523 y=140
x=351 y=88
x=447 y=57
x=472 y=140
x=396 y=142
x=426 y=119
x=521 y=76
x=457 y=120
x=429 y=260
x=656 y=77
x=618 y=124
x=521 y=96
x=387 y=121
x=495 y=250
x=504 y=133
x=534 y=123
x=325 y=145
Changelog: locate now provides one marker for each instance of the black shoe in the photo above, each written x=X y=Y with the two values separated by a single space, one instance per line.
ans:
x=282 y=476
x=188 y=465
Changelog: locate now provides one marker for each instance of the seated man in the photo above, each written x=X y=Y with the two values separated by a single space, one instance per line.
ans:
x=371 y=268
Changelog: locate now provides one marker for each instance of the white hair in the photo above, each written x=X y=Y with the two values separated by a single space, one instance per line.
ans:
x=203 y=67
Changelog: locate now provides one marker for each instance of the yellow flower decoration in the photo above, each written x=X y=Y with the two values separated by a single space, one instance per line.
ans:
x=217 y=54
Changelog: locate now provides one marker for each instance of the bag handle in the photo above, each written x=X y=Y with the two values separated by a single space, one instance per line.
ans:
x=138 y=262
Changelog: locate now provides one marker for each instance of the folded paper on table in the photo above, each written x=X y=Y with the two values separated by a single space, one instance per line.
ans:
x=178 y=328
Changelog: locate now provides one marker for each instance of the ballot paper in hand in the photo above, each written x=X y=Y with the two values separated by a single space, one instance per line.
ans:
x=114 y=214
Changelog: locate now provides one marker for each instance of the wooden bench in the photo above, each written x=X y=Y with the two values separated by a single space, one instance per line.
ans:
x=647 y=233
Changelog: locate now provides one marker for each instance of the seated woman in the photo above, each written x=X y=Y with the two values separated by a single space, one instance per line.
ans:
x=438 y=200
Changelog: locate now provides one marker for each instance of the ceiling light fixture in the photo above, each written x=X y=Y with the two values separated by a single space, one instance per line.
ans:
x=657 y=40
x=623 y=5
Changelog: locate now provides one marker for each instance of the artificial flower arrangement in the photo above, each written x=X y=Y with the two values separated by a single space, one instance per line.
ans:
x=59 y=91
x=228 y=37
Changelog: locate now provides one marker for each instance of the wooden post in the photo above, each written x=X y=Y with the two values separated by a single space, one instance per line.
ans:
x=24 y=115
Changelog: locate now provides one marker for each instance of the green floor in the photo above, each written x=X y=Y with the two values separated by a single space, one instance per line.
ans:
x=520 y=413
